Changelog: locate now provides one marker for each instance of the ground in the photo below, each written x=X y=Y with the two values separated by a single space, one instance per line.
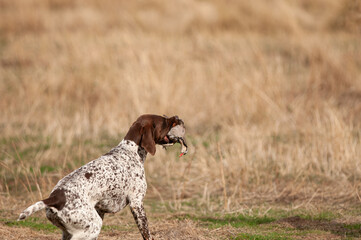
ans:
x=271 y=221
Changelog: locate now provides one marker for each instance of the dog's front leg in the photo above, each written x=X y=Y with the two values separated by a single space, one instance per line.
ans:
x=140 y=218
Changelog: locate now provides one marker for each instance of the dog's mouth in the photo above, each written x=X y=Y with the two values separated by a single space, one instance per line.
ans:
x=169 y=140
x=176 y=135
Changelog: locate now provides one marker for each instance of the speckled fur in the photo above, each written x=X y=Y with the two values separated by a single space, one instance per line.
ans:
x=104 y=185
x=79 y=201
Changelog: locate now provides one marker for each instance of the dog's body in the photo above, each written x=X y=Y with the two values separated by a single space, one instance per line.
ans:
x=106 y=185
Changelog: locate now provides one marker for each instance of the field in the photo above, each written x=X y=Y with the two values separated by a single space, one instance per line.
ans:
x=270 y=92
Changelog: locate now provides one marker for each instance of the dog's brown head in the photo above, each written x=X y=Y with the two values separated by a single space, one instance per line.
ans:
x=149 y=130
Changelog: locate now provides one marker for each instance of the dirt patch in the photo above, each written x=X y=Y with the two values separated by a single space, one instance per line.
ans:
x=334 y=229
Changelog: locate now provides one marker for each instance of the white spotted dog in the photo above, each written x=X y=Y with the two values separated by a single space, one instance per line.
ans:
x=79 y=201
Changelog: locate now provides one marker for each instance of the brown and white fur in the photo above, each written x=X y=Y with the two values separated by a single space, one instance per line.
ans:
x=79 y=201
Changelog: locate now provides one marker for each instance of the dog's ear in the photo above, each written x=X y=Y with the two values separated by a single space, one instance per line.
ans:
x=147 y=141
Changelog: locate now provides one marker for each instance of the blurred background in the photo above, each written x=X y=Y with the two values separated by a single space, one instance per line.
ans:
x=269 y=90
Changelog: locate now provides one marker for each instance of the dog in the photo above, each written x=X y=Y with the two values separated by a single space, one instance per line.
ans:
x=79 y=201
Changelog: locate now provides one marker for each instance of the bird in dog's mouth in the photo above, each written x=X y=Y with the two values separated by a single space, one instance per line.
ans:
x=177 y=135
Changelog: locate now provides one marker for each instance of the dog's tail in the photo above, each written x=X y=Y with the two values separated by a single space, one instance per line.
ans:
x=30 y=210
x=56 y=200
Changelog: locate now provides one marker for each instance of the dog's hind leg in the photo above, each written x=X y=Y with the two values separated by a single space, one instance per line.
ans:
x=84 y=224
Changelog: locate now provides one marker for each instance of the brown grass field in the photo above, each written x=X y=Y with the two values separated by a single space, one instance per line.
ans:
x=270 y=91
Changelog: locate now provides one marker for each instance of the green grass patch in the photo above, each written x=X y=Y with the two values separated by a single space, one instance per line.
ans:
x=110 y=227
x=266 y=236
x=47 y=168
x=33 y=223
x=41 y=225
x=322 y=216
x=356 y=226
x=236 y=221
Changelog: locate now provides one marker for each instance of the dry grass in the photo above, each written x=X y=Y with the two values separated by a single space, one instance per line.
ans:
x=276 y=84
